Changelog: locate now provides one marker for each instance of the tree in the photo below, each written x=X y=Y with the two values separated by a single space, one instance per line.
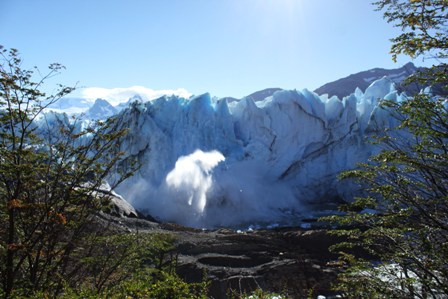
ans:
x=397 y=235
x=51 y=172
x=424 y=26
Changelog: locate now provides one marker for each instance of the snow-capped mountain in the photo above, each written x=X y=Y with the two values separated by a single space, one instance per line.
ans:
x=101 y=109
x=136 y=98
x=345 y=86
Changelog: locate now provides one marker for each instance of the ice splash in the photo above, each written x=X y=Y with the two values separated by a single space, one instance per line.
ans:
x=191 y=177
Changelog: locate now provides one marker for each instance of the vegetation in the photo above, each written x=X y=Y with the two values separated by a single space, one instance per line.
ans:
x=424 y=27
x=52 y=189
x=397 y=235
x=256 y=294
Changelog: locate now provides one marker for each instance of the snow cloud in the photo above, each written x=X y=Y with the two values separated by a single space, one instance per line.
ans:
x=116 y=96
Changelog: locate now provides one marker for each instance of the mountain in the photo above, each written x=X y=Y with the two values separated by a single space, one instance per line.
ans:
x=263 y=94
x=345 y=86
x=256 y=96
x=101 y=109
x=135 y=98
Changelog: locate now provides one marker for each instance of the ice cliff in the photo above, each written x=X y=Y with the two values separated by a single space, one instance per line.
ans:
x=247 y=162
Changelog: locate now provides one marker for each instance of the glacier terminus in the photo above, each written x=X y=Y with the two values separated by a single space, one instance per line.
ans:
x=208 y=162
x=271 y=158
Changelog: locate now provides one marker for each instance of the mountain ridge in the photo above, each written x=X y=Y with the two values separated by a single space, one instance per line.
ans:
x=345 y=86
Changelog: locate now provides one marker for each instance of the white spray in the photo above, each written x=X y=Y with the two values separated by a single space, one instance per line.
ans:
x=191 y=177
x=197 y=193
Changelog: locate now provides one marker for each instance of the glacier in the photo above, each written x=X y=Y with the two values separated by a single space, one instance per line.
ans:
x=206 y=162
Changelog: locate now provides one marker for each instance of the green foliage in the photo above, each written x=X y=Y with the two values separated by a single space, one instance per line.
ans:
x=49 y=182
x=140 y=268
x=397 y=235
x=161 y=285
x=144 y=269
x=52 y=243
x=257 y=294
x=114 y=258
x=406 y=233
x=424 y=26
x=150 y=285
x=406 y=229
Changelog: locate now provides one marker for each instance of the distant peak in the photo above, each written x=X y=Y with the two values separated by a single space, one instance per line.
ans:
x=100 y=101
x=345 y=86
x=410 y=66
x=101 y=109
x=263 y=94
x=136 y=97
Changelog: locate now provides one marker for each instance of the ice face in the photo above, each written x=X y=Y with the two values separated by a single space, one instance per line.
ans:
x=209 y=163
x=270 y=159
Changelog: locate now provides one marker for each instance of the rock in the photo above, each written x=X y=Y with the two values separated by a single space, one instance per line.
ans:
x=120 y=207
x=288 y=261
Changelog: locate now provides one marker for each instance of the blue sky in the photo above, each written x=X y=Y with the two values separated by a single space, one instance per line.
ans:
x=225 y=47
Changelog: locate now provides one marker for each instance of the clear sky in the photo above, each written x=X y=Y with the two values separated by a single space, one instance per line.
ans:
x=225 y=47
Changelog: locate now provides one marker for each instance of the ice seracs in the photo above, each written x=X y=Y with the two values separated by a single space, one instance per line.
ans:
x=282 y=154
x=273 y=159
